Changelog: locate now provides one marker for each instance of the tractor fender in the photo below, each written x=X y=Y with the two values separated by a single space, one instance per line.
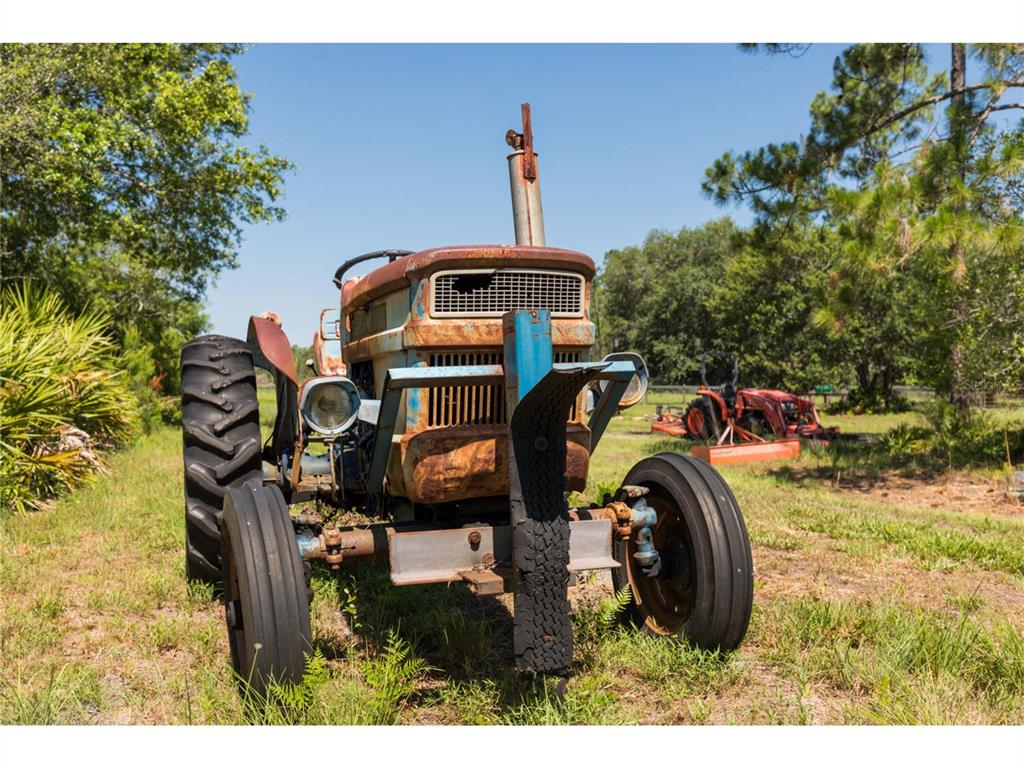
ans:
x=719 y=402
x=272 y=351
x=270 y=346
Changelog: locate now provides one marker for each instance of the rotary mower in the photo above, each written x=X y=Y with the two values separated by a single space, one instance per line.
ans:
x=456 y=420
x=734 y=423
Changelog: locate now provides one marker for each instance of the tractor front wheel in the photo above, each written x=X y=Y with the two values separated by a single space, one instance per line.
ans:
x=702 y=421
x=265 y=601
x=704 y=589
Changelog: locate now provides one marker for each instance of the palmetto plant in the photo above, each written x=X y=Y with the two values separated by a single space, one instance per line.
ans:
x=61 y=396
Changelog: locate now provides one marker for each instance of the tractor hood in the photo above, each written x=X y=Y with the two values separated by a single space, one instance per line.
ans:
x=402 y=272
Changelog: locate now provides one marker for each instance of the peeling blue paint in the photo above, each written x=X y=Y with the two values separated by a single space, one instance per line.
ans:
x=528 y=353
x=418 y=308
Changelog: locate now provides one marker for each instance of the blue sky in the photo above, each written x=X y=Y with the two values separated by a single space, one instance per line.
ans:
x=402 y=146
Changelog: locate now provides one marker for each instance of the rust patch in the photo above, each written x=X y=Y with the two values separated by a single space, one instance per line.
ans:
x=453 y=463
x=327 y=364
x=484 y=332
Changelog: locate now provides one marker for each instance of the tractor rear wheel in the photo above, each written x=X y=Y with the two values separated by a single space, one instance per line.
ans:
x=702 y=420
x=265 y=601
x=221 y=442
x=704 y=590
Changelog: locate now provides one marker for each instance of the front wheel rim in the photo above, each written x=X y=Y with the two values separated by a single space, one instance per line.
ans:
x=666 y=600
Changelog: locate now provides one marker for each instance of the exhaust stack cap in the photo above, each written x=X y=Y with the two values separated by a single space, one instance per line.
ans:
x=527 y=214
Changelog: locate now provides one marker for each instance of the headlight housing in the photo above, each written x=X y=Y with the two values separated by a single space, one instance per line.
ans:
x=329 y=404
x=637 y=385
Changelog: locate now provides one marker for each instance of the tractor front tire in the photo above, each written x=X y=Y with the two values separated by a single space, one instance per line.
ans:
x=704 y=591
x=265 y=601
x=702 y=420
x=221 y=442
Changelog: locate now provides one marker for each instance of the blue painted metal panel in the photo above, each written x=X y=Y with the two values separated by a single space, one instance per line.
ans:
x=528 y=353
x=619 y=374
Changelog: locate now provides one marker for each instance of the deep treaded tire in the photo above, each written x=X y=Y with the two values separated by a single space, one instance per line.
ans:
x=221 y=441
x=266 y=606
x=543 y=621
x=705 y=590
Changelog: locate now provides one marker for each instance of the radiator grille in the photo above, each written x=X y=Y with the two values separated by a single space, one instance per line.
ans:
x=480 y=403
x=492 y=293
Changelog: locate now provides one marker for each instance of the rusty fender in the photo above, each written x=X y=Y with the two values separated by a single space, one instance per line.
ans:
x=270 y=345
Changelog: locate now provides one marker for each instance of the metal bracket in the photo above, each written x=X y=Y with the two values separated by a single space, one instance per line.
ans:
x=466 y=554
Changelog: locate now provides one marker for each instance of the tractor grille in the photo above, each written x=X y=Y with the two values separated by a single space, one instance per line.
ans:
x=480 y=403
x=492 y=293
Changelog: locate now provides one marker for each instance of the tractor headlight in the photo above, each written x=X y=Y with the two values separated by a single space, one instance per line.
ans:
x=329 y=404
x=637 y=387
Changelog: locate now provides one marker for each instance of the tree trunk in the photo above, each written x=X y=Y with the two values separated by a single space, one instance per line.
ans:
x=958 y=138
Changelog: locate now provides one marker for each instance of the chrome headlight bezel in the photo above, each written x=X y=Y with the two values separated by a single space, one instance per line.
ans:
x=311 y=386
x=637 y=388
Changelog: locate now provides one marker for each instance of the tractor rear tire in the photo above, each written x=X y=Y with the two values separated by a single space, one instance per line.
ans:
x=265 y=600
x=704 y=591
x=221 y=442
x=702 y=420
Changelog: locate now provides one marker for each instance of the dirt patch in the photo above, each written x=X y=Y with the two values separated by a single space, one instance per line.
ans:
x=956 y=492
x=825 y=573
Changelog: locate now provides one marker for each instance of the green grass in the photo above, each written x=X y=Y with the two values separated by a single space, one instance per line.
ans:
x=865 y=612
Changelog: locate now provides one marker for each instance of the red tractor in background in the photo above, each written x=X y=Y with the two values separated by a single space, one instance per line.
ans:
x=725 y=414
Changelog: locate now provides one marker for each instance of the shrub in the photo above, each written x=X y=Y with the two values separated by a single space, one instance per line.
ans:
x=138 y=360
x=961 y=441
x=904 y=440
x=62 y=397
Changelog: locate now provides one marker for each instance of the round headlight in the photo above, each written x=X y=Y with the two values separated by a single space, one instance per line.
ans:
x=329 y=404
x=637 y=387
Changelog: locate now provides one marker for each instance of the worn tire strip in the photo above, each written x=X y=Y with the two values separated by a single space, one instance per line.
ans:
x=542 y=635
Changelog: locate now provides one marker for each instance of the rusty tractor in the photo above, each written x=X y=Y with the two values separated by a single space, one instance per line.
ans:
x=456 y=420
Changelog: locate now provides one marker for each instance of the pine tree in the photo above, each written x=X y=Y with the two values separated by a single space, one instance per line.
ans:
x=929 y=201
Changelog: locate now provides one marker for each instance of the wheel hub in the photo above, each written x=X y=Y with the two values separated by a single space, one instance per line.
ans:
x=233 y=614
x=675 y=564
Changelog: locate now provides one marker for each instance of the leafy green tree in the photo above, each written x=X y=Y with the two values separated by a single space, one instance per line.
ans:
x=125 y=180
x=764 y=305
x=929 y=203
x=653 y=299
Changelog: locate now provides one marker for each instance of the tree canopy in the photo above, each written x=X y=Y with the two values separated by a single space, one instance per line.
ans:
x=921 y=177
x=126 y=181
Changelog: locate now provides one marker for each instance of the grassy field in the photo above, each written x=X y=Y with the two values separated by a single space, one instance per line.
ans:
x=878 y=599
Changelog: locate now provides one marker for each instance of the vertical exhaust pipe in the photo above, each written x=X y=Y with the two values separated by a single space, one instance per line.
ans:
x=525 y=182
